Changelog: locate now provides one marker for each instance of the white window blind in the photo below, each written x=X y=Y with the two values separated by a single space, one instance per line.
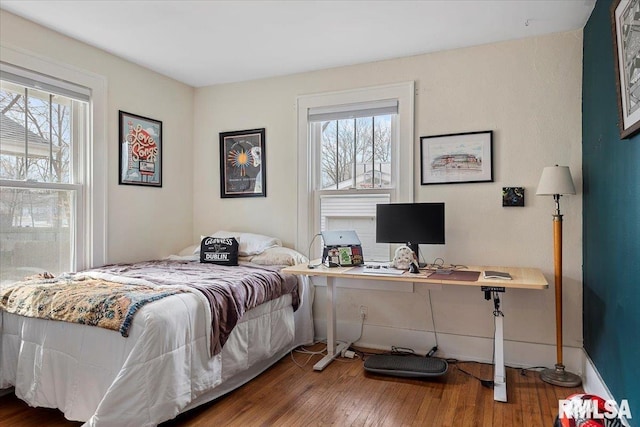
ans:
x=353 y=111
x=44 y=83
x=355 y=212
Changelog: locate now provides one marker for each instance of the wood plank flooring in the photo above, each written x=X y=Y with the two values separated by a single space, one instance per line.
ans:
x=344 y=395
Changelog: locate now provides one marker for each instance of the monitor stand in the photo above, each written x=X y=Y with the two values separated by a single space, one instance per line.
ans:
x=416 y=250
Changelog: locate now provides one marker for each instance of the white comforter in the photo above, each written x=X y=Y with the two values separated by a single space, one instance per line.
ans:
x=96 y=375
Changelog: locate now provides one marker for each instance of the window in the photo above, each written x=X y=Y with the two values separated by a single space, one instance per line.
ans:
x=358 y=150
x=47 y=193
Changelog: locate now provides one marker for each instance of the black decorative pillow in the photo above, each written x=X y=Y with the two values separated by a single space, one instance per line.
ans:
x=219 y=250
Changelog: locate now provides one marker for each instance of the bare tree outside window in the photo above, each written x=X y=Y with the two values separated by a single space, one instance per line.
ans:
x=36 y=138
x=356 y=153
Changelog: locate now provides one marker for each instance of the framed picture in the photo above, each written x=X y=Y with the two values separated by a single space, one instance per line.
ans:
x=626 y=47
x=140 y=150
x=242 y=164
x=513 y=196
x=456 y=158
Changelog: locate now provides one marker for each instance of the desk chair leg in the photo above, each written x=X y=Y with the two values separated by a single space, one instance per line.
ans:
x=333 y=350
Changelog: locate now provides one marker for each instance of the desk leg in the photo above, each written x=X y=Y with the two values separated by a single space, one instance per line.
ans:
x=333 y=350
x=499 y=376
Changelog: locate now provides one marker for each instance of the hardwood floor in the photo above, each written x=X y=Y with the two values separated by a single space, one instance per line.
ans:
x=344 y=395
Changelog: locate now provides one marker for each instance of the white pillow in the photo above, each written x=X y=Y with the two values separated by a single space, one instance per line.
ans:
x=190 y=250
x=254 y=244
x=249 y=243
x=279 y=256
x=224 y=233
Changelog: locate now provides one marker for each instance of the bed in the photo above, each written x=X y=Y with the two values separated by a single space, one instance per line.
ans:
x=169 y=361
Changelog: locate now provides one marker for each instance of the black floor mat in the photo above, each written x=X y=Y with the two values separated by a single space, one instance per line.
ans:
x=406 y=366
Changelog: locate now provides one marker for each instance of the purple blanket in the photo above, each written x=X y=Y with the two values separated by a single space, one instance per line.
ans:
x=231 y=291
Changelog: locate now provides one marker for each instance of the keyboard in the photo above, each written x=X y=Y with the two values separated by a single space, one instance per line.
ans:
x=382 y=270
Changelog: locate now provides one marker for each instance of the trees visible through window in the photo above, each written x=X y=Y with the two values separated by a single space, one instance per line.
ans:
x=355 y=169
x=40 y=137
x=356 y=153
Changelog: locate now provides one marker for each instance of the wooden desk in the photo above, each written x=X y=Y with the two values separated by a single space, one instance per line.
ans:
x=522 y=278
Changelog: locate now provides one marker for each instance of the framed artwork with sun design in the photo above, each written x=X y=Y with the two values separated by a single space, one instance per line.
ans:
x=242 y=164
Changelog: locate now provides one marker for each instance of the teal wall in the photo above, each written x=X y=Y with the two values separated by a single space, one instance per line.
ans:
x=611 y=209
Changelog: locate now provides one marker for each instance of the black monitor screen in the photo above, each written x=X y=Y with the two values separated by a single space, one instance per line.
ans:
x=410 y=223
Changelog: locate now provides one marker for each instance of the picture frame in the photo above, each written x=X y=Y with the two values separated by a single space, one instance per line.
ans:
x=513 y=197
x=626 y=47
x=242 y=164
x=140 y=142
x=456 y=158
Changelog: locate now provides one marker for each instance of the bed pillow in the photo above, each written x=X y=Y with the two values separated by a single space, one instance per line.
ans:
x=190 y=250
x=279 y=256
x=254 y=244
x=250 y=243
x=225 y=233
x=219 y=250
x=220 y=233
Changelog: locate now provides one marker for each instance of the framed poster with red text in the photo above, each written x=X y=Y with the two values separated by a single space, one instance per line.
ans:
x=140 y=150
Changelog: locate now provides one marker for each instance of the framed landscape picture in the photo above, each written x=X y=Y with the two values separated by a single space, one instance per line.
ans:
x=242 y=164
x=456 y=158
x=140 y=150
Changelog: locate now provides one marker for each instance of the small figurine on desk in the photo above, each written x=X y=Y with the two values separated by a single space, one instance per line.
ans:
x=405 y=259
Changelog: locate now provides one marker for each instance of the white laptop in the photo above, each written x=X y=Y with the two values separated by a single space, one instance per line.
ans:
x=340 y=238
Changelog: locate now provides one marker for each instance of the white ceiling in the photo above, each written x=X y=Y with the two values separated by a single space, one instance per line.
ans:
x=210 y=42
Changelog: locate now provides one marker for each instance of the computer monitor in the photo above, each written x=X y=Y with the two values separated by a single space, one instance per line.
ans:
x=411 y=224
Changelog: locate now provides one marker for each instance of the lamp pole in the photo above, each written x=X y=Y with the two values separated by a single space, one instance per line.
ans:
x=558 y=376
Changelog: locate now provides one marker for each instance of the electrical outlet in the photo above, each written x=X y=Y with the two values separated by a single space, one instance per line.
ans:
x=363 y=311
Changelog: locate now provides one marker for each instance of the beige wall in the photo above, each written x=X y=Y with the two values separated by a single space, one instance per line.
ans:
x=143 y=223
x=527 y=91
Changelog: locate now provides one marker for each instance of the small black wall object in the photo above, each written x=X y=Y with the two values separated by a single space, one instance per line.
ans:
x=513 y=196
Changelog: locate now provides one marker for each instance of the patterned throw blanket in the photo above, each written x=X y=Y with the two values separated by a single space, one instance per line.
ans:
x=79 y=299
x=109 y=296
x=229 y=290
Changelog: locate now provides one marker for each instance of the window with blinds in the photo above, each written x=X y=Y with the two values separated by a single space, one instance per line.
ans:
x=355 y=145
x=44 y=126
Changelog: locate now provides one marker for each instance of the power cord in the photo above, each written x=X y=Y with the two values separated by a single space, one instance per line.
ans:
x=310 y=353
x=348 y=353
x=351 y=353
x=402 y=351
x=483 y=382
x=309 y=265
x=433 y=321
x=439 y=265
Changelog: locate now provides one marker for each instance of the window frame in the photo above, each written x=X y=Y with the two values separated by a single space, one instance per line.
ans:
x=308 y=221
x=90 y=246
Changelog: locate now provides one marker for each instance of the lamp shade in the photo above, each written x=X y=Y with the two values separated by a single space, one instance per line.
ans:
x=555 y=180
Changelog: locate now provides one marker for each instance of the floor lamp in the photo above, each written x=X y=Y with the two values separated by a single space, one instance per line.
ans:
x=556 y=181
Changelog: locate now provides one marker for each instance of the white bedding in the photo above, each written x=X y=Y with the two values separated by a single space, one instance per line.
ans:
x=163 y=368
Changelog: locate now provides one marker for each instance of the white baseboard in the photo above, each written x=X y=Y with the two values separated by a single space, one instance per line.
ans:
x=480 y=349
x=462 y=347
x=593 y=383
